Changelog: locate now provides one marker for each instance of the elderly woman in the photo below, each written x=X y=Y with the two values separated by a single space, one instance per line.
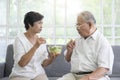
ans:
x=30 y=53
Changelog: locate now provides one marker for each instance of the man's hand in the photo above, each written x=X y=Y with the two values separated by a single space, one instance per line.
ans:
x=88 y=78
x=96 y=75
x=70 y=46
x=85 y=78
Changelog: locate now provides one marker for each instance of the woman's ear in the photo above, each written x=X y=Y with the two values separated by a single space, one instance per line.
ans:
x=29 y=25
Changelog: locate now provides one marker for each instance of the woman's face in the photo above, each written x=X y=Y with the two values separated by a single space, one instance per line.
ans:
x=37 y=26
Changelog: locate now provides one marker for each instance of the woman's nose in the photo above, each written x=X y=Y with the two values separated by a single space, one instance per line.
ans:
x=77 y=27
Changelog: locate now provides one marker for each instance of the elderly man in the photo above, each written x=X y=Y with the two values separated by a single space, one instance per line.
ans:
x=91 y=55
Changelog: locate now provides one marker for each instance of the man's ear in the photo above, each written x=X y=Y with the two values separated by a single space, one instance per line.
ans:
x=89 y=23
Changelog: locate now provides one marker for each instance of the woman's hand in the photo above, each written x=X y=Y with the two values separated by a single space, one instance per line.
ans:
x=39 y=41
x=53 y=55
x=48 y=61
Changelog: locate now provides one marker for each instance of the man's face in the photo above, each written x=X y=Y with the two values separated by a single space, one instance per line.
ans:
x=83 y=27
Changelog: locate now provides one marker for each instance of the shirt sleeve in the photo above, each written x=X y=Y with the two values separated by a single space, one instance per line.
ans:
x=19 y=50
x=45 y=51
x=106 y=57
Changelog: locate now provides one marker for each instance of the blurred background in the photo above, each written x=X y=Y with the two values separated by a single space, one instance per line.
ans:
x=59 y=19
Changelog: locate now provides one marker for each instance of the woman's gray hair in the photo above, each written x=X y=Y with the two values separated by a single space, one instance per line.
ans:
x=87 y=17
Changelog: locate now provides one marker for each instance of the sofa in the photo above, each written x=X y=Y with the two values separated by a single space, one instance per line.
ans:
x=58 y=68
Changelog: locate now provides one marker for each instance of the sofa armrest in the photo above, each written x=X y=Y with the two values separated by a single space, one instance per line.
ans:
x=2 y=65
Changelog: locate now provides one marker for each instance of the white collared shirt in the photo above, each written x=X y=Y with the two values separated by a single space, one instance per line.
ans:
x=91 y=53
x=21 y=46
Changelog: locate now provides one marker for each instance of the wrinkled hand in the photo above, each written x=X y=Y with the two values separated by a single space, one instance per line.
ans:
x=84 y=78
x=70 y=45
x=53 y=55
x=88 y=78
x=40 y=41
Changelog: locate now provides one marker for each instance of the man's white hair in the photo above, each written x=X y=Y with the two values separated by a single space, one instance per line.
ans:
x=87 y=17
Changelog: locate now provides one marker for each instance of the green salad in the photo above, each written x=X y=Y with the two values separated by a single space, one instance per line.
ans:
x=55 y=49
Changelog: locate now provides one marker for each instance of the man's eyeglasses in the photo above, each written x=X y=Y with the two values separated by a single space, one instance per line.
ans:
x=78 y=25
